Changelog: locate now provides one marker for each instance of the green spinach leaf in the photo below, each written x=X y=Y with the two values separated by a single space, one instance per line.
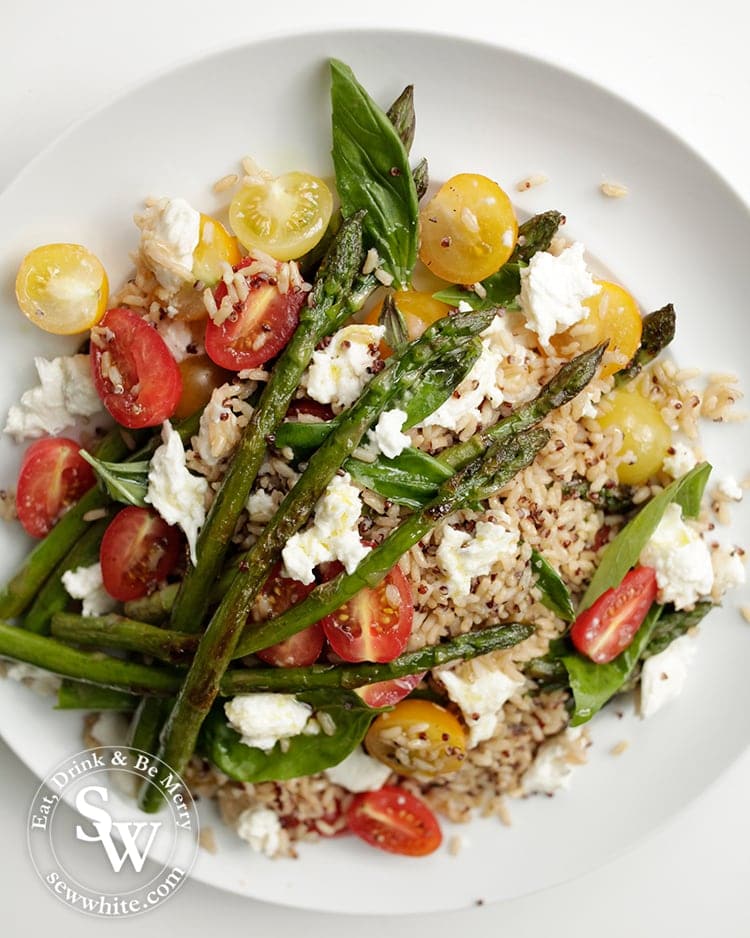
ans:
x=373 y=173
x=555 y=594
x=594 y=684
x=623 y=552
x=305 y=755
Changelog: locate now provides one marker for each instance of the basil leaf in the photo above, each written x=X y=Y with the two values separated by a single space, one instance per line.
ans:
x=501 y=288
x=436 y=385
x=623 y=552
x=125 y=482
x=594 y=684
x=373 y=173
x=392 y=319
x=555 y=594
x=305 y=755
x=411 y=478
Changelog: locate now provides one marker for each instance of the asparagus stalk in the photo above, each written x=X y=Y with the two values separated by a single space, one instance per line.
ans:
x=53 y=597
x=154 y=608
x=148 y=720
x=112 y=631
x=535 y=235
x=75 y=695
x=218 y=642
x=658 y=332
x=401 y=115
x=477 y=481
x=329 y=306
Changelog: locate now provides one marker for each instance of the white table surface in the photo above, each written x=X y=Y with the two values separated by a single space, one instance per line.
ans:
x=685 y=64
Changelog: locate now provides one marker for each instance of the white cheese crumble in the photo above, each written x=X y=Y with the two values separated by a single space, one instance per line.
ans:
x=333 y=535
x=481 y=383
x=729 y=572
x=359 y=772
x=663 y=676
x=552 y=769
x=338 y=372
x=263 y=719
x=261 y=828
x=729 y=488
x=177 y=337
x=178 y=495
x=387 y=435
x=65 y=392
x=219 y=431
x=462 y=556
x=86 y=584
x=679 y=460
x=262 y=505
x=553 y=288
x=681 y=559
x=480 y=688
x=170 y=230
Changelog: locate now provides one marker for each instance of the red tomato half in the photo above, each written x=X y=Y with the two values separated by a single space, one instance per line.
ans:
x=394 y=820
x=608 y=626
x=134 y=372
x=259 y=326
x=388 y=693
x=374 y=625
x=53 y=477
x=278 y=594
x=139 y=550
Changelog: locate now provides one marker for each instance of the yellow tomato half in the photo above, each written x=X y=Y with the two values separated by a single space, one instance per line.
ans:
x=215 y=247
x=419 y=310
x=646 y=437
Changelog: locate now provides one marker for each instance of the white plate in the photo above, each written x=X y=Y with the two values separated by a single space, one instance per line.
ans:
x=680 y=235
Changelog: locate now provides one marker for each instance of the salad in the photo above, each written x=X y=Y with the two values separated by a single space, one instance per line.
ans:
x=358 y=501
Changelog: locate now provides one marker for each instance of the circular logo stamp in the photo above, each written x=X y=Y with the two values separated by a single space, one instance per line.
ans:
x=111 y=859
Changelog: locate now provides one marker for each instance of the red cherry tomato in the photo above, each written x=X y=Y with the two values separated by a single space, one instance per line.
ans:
x=134 y=372
x=374 y=625
x=53 y=477
x=278 y=594
x=388 y=693
x=259 y=326
x=394 y=820
x=608 y=626
x=139 y=550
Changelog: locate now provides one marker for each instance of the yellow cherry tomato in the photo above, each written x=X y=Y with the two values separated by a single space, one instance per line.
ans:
x=418 y=738
x=62 y=288
x=646 y=437
x=215 y=246
x=285 y=216
x=612 y=314
x=468 y=229
x=200 y=378
x=419 y=310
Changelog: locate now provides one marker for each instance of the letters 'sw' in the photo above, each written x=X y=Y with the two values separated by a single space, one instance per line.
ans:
x=128 y=832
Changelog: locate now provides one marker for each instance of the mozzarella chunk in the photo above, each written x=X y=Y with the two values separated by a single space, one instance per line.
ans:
x=480 y=688
x=680 y=460
x=333 y=535
x=177 y=337
x=262 y=505
x=65 y=392
x=263 y=719
x=359 y=772
x=553 y=288
x=462 y=556
x=664 y=675
x=86 y=584
x=261 y=828
x=551 y=769
x=681 y=559
x=387 y=435
x=170 y=230
x=338 y=372
x=178 y=496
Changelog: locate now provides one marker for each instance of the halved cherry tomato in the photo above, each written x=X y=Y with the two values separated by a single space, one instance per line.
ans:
x=278 y=595
x=200 y=378
x=608 y=626
x=429 y=739
x=258 y=328
x=139 y=550
x=62 y=288
x=467 y=230
x=215 y=247
x=646 y=437
x=388 y=693
x=394 y=820
x=419 y=310
x=53 y=477
x=134 y=372
x=374 y=625
x=284 y=216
